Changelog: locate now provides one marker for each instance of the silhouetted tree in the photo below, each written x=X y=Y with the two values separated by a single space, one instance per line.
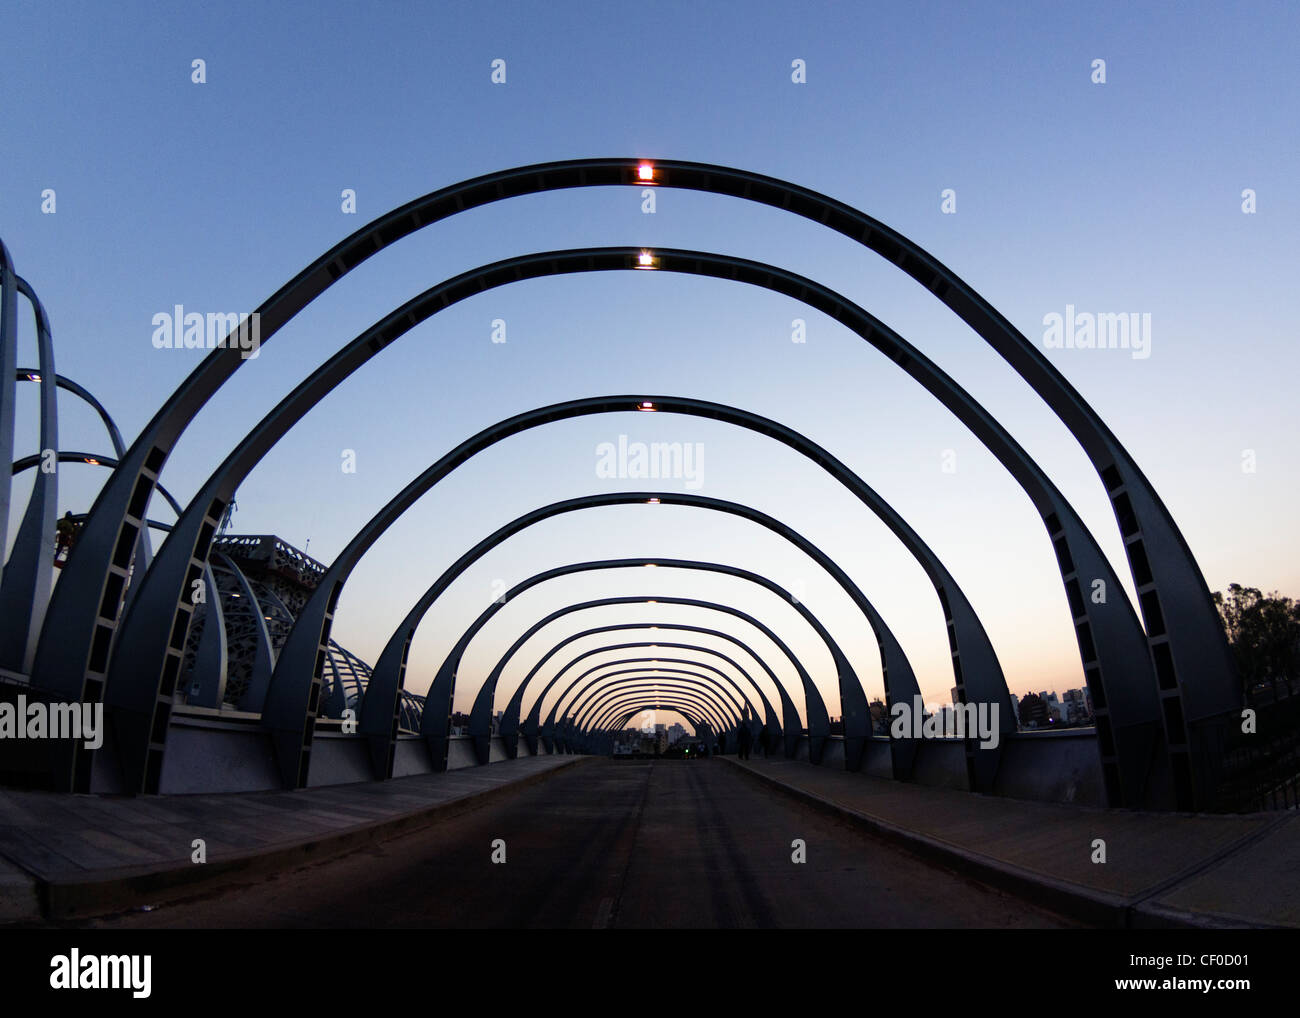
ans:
x=1264 y=632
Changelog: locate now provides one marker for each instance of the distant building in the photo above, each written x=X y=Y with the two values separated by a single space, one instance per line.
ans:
x=1033 y=711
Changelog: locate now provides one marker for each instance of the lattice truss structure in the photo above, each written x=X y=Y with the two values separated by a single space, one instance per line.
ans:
x=261 y=582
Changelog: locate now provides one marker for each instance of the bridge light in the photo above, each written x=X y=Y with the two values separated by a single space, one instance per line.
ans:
x=645 y=406
x=646 y=260
x=32 y=376
x=645 y=171
x=92 y=461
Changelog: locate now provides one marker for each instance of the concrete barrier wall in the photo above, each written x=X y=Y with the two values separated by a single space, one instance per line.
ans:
x=460 y=753
x=338 y=760
x=219 y=755
x=834 y=753
x=411 y=757
x=941 y=763
x=877 y=760
x=1053 y=767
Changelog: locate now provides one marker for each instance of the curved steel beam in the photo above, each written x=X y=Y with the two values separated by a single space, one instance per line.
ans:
x=28 y=576
x=390 y=662
x=636 y=688
x=619 y=722
x=583 y=698
x=1133 y=699
x=92 y=459
x=792 y=724
x=510 y=717
x=769 y=713
x=590 y=719
x=481 y=711
x=643 y=678
x=8 y=384
x=148 y=634
x=632 y=691
x=702 y=727
x=1196 y=668
x=63 y=382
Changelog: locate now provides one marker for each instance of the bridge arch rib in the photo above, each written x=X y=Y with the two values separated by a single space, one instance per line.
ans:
x=638 y=687
x=645 y=679
x=793 y=725
x=1111 y=641
x=389 y=668
x=1187 y=645
x=28 y=576
x=768 y=713
x=851 y=691
x=146 y=636
x=584 y=698
x=510 y=716
x=619 y=699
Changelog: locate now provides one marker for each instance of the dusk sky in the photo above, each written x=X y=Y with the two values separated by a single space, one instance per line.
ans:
x=1117 y=197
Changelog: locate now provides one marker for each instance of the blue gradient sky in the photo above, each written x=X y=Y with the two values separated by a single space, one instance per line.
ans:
x=1122 y=197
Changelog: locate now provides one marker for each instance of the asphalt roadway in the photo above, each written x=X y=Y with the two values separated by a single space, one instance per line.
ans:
x=616 y=844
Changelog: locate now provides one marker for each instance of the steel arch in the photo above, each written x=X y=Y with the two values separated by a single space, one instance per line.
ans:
x=641 y=678
x=512 y=711
x=145 y=650
x=28 y=576
x=792 y=724
x=1198 y=667
x=392 y=659
x=582 y=699
x=769 y=714
x=1113 y=653
x=818 y=719
x=619 y=698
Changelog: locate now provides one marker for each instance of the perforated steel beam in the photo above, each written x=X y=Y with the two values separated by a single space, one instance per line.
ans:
x=1130 y=749
x=792 y=724
x=1197 y=680
x=28 y=576
x=442 y=689
x=769 y=714
x=642 y=679
x=585 y=697
x=444 y=681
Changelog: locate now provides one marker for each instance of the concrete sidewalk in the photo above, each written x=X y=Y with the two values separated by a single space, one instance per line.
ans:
x=1161 y=869
x=63 y=856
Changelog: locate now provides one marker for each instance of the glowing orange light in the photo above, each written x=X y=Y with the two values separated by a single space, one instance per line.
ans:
x=652 y=501
x=92 y=462
x=645 y=172
x=645 y=260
